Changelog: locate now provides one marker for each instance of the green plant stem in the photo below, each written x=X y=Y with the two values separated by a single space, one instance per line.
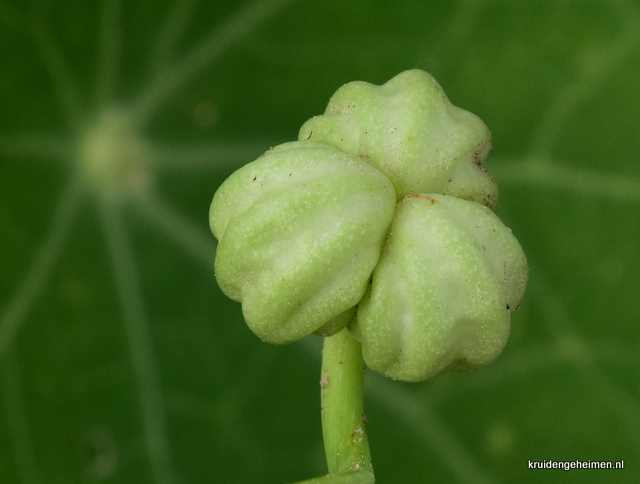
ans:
x=354 y=477
x=342 y=380
x=343 y=427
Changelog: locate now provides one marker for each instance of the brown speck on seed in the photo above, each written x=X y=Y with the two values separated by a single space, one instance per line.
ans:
x=419 y=195
x=477 y=158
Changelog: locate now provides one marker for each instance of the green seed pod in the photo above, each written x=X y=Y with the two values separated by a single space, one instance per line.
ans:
x=377 y=219
x=300 y=231
x=408 y=129
x=442 y=292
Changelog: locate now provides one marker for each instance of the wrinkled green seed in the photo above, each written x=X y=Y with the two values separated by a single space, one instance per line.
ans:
x=377 y=218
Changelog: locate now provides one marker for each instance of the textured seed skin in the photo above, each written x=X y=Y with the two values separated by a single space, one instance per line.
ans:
x=409 y=130
x=379 y=219
x=442 y=292
x=300 y=231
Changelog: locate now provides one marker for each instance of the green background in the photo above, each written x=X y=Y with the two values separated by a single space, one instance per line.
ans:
x=120 y=359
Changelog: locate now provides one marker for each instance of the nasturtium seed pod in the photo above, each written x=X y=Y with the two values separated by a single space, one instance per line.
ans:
x=442 y=292
x=300 y=230
x=409 y=130
x=377 y=219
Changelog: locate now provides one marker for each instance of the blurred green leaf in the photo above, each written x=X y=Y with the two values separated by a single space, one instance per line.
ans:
x=120 y=359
